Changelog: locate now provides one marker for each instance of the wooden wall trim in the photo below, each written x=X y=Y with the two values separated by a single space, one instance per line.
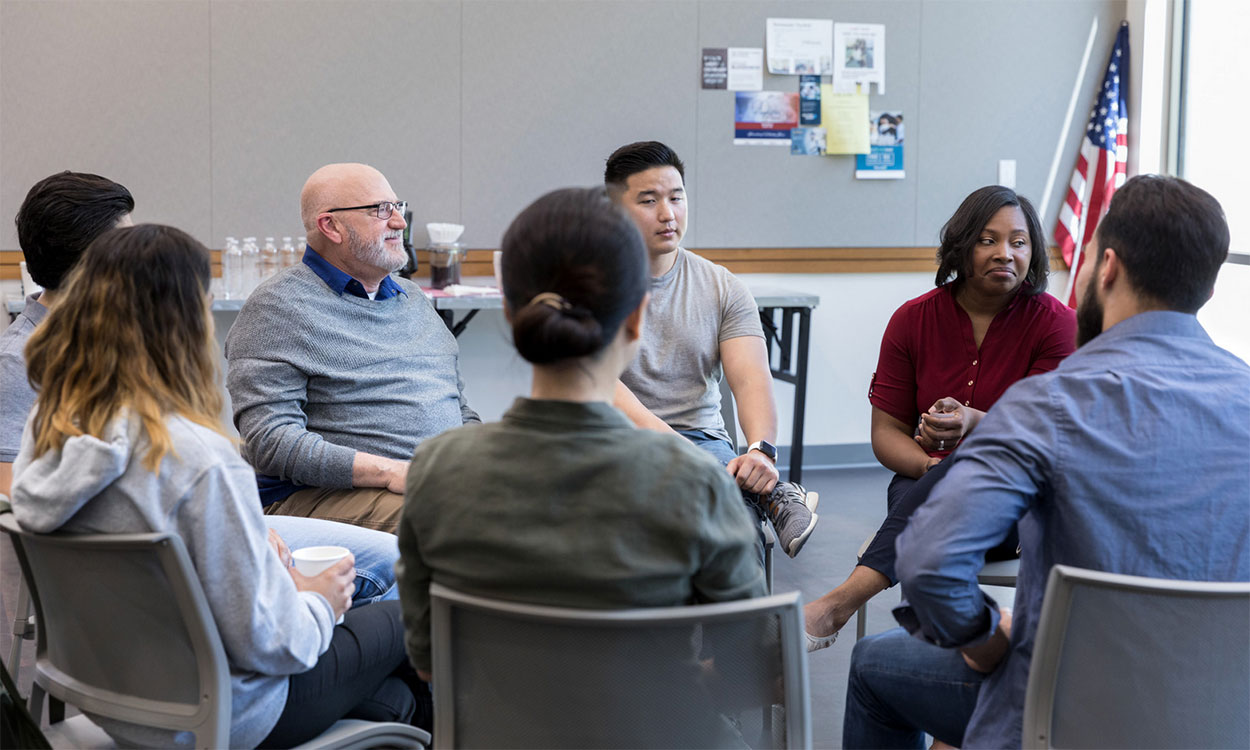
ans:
x=737 y=259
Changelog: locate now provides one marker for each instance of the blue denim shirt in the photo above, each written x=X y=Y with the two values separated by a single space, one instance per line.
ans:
x=1132 y=457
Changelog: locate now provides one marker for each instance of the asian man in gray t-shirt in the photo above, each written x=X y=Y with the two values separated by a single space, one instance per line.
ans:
x=701 y=324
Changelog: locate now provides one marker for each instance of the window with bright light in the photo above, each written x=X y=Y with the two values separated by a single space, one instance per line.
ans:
x=1214 y=152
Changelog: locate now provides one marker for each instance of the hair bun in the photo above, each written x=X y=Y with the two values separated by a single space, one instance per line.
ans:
x=548 y=331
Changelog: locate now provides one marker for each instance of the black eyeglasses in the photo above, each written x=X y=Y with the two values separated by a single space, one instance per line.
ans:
x=382 y=210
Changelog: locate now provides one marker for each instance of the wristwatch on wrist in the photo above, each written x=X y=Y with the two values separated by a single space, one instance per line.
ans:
x=765 y=447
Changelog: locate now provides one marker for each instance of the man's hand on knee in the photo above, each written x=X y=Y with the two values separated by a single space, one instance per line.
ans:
x=369 y=470
x=754 y=472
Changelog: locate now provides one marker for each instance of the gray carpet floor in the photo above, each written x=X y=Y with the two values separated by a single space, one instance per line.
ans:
x=852 y=504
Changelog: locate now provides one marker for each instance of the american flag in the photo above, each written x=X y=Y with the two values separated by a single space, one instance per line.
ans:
x=1101 y=167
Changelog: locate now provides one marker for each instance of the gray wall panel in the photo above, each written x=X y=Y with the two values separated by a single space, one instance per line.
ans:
x=300 y=84
x=215 y=112
x=116 y=88
x=551 y=88
x=994 y=84
x=760 y=196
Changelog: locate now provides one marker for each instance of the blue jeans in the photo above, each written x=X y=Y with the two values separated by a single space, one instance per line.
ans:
x=901 y=687
x=724 y=452
x=375 y=551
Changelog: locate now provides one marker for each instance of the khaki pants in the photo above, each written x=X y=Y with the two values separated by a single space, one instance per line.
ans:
x=370 y=507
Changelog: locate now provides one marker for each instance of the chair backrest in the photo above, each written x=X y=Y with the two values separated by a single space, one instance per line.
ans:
x=1126 y=661
x=124 y=630
x=506 y=674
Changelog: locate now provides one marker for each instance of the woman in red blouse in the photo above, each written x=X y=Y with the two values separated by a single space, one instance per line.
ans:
x=946 y=357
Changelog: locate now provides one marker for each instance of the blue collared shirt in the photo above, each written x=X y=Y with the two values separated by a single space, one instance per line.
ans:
x=341 y=282
x=1132 y=457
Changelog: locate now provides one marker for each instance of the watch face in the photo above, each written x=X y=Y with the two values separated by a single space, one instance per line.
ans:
x=767 y=448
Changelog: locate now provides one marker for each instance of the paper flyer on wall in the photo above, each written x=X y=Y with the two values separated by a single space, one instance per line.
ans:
x=715 y=67
x=885 y=161
x=843 y=117
x=809 y=100
x=746 y=69
x=807 y=142
x=798 y=46
x=858 y=56
x=765 y=118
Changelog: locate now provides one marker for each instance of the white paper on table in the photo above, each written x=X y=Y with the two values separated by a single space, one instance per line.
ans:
x=858 y=57
x=746 y=69
x=800 y=46
x=463 y=290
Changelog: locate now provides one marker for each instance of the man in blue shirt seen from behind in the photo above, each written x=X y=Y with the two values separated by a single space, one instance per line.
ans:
x=1131 y=458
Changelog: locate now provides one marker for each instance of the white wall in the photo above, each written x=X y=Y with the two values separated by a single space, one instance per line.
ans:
x=846 y=335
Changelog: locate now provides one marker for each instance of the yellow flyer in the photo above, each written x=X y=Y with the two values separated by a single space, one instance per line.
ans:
x=844 y=118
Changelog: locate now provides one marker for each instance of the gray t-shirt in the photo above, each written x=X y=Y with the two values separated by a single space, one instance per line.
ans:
x=694 y=307
x=16 y=396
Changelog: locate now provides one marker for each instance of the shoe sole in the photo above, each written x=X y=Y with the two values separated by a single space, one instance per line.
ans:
x=811 y=500
x=797 y=543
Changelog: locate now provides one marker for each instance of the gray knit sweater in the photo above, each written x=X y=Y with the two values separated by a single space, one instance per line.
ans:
x=315 y=377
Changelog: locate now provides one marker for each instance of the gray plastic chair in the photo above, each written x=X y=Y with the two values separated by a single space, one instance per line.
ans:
x=124 y=631
x=1125 y=661
x=507 y=674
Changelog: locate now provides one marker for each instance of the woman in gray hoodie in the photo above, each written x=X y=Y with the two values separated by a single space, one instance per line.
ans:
x=126 y=437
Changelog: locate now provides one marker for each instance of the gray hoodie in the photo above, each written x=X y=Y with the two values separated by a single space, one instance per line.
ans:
x=207 y=495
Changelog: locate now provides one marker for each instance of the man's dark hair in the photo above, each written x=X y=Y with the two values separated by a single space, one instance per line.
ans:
x=578 y=251
x=960 y=234
x=61 y=216
x=1171 y=238
x=639 y=157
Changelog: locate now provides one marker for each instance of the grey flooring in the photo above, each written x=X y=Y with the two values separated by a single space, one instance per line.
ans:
x=852 y=504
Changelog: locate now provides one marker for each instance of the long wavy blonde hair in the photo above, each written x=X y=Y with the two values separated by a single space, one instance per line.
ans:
x=131 y=329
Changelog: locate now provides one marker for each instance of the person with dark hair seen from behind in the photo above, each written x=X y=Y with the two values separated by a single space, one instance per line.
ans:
x=127 y=436
x=560 y=514
x=60 y=216
x=946 y=357
x=702 y=325
x=1063 y=454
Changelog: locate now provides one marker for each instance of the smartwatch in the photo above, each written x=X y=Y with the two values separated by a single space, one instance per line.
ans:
x=765 y=447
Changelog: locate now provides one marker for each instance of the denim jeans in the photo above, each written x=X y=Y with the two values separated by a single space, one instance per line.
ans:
x=375 y=551
x=724 y=452
x=901 y=687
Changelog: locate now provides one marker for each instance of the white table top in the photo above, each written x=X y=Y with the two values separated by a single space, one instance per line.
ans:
x=765 y=296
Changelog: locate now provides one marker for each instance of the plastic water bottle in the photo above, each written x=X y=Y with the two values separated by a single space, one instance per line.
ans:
x=232 y=269
x=270 y=261
x=290 y=256
x=251 y=265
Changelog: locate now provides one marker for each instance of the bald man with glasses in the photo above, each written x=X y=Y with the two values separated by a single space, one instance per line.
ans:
x=337 y=370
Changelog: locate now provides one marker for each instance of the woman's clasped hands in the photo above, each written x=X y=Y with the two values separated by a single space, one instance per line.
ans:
x=945 y=424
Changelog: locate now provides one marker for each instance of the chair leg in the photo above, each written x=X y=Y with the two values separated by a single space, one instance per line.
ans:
x=36 y=701
x=22 y=628
x=56 y=710
x=861 y=621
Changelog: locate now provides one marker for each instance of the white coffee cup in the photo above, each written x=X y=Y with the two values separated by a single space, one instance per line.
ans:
x=311 y=561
